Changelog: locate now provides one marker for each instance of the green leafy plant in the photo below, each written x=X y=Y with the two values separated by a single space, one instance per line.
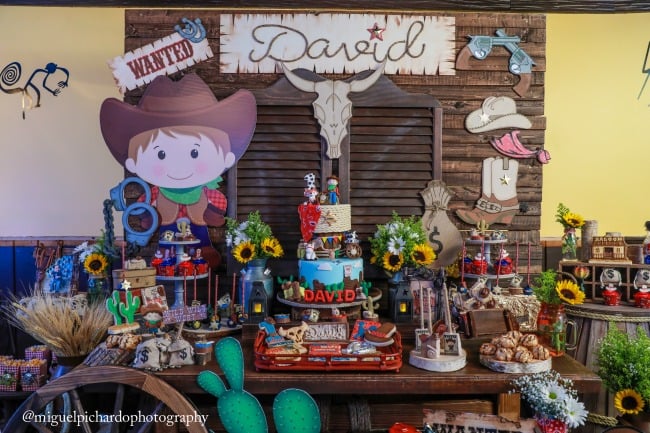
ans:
x=544 y=288
x=401 y=242
x=549 y=290
x=623 y=362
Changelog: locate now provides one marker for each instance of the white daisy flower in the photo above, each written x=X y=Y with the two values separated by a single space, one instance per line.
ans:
x=396 y=245
x=240 y=237
x=576 y=412
x=555 y=392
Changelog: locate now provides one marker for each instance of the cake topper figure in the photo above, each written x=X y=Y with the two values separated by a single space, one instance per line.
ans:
x=181 y=139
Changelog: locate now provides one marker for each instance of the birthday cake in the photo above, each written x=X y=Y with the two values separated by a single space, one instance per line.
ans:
x=330 y=267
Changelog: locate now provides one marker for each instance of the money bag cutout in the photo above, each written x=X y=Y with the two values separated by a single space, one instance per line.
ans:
x=445 y=239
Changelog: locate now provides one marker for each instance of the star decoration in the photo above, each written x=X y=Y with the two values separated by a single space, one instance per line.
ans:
x=485 y=117
x=330 y=218
x=126 y=285
x=376 y=32
x=505 y=180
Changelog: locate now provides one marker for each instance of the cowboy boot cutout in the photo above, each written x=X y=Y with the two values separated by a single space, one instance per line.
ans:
x=167 y=209
x=195 y=211
x=498 y=203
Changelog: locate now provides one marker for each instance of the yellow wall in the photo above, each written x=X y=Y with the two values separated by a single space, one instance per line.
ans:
x=597 y=130
x=56 y=169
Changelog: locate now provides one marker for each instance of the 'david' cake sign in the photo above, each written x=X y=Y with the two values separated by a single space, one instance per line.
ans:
x=325 y=297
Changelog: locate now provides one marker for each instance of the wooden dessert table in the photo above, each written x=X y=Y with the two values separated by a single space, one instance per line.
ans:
x=348 y=401
x=374 y=400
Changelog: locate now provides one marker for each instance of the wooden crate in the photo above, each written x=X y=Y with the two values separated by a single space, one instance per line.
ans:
x=138 y=278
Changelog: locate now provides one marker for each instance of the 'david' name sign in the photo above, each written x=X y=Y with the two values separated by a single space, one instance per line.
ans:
x=337 y=43
x=453 y=422
x=170 y=54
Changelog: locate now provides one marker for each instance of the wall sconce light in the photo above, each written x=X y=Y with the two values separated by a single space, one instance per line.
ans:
x=257 y=303
x=403 y=303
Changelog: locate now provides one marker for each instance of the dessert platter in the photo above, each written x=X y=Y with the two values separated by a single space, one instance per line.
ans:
x=515 y=352
x=370 y=346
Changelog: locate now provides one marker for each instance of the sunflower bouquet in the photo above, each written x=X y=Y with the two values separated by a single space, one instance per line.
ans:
x=401 y=243
x=568 y=219
x=551 y=398
x=623 y=363
x=548 y=289
x=251 y=239
x=93 y=258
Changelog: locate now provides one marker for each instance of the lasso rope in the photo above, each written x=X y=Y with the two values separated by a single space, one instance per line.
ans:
x=595 y=418
x=605 y=317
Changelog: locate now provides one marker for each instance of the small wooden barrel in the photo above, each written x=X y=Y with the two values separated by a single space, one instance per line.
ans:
x=593 y=321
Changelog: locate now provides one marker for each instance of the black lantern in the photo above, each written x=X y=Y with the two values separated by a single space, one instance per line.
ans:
x=257 y=303
x=403 y=303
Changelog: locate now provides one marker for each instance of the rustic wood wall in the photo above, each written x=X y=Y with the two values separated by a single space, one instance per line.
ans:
x=518 y=6
x=458 y=95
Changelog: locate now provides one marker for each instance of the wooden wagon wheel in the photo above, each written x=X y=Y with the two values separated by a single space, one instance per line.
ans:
x=75 y=381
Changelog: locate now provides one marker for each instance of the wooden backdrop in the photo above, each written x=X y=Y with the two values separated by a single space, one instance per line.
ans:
x=268 y=168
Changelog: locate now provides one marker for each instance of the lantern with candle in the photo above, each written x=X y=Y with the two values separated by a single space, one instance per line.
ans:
x=403 y=303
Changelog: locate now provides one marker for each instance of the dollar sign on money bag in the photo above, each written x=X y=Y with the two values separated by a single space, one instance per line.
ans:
x=144 y=355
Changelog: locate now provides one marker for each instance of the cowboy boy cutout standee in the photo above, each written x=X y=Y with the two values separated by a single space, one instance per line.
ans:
x=180 y=139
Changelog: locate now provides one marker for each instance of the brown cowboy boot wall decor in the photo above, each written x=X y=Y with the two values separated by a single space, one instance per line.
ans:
x=498 y=203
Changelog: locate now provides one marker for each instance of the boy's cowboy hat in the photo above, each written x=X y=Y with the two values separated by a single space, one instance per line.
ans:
x=189 y=101
x=496 y=112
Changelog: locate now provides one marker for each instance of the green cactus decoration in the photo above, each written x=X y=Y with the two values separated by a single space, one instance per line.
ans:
x=112 y=305
x=128 y=310
x=294 y=410
x=240 y=411
x=369 y=305
x=365 y=287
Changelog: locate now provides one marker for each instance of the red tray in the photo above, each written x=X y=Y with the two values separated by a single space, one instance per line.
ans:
x=387 y=358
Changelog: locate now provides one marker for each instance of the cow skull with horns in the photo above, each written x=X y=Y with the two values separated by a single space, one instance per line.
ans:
x=332 y=107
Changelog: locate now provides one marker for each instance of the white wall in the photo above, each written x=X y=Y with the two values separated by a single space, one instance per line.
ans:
x=56 y=170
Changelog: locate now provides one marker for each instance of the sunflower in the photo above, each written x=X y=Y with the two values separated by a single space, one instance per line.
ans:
x=423 y=254
x=570 y=292
x=244 y=252
x=95 y=264
x=628 y=401
x=272 y=247
x=393 y=262
x=573 y=220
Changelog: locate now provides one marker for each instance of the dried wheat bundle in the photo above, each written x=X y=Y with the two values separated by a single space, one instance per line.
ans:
x=59 y=323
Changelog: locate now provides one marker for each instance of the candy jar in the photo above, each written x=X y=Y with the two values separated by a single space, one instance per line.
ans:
x=479 y=265
x=611 y=295
x=467 y=265
x=642 y=297
x=157 y=260
x=200 y=264
x=503 y=265
x=610 y=279
x=185 y=266
x=166 y=267
x=641 y=284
